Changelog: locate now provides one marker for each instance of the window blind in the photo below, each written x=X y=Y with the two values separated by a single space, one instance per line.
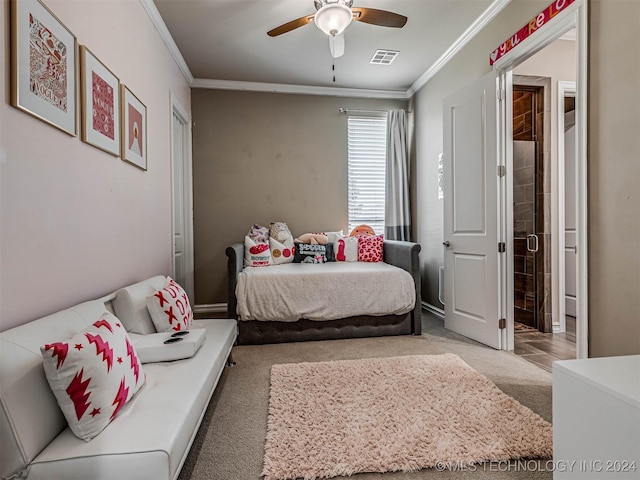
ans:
x=367 y=156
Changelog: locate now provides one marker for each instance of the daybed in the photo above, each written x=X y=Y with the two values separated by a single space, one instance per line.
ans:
x=254 y=330
x=151 y=435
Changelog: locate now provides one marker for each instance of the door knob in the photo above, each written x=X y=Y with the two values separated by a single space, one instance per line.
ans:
x=446 y=244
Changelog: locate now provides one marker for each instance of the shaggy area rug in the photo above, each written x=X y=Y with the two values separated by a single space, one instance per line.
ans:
x=392 y=414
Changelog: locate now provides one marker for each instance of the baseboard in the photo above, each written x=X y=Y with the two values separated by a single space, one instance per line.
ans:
x=210 y=308
x=438 y=312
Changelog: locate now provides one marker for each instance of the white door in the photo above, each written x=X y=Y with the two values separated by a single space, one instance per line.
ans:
x=472 y=279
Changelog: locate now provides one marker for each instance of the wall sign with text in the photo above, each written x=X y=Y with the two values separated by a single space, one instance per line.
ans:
x=538 y=21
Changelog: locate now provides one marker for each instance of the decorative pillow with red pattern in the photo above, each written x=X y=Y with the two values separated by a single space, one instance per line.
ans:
x=346 y=249
x=93 y=375
x=256 y=253
x=169 y=308
x=370 y=248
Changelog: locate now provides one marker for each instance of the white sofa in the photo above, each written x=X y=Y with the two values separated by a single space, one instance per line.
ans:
x=151 y=435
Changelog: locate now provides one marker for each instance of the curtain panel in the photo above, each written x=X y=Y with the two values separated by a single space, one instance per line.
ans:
x=398 y=208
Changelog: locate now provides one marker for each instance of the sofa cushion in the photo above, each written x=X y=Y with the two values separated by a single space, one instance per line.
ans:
x=93 y=374
x=30 y=417
x=130 y=305
x=151 y=435
x=169 y=308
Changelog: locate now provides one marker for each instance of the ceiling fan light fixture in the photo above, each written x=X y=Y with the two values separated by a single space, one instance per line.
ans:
x=333 y=18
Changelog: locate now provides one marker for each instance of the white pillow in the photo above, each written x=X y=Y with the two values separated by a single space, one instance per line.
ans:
x=334 y=236
x=169 y=308
x=345 y=249
x=281 y=252
x=256 y=254
x=93 y=375
x=130 y=305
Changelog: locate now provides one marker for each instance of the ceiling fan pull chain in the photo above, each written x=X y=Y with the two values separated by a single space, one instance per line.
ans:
x=333 y=69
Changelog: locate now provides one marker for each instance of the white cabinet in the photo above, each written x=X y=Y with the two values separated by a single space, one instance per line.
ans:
x=596 y=418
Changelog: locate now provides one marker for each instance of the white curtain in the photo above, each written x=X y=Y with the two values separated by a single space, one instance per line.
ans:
x=397 y=208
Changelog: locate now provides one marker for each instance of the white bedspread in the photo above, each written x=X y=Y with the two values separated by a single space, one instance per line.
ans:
x=326 y=291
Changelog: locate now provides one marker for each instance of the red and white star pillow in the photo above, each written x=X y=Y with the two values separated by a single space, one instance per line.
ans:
x=370 y=248
x=169 y=308
x=93 y=375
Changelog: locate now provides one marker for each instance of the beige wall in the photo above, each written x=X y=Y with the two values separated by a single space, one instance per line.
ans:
x=260 y=158
x=614 y=197
x=614 y=178
x=77 y=223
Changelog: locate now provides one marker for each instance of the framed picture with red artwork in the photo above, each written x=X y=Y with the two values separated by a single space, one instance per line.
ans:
x=134 y=129
x=100 y=100
x=43 y=65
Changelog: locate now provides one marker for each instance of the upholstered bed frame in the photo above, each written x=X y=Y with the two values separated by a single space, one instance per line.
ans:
x=401 y=254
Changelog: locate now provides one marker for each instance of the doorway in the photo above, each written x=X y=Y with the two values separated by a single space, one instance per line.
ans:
x=532 y=293
x=560 y=189
x=471 y=257
x=182 y=188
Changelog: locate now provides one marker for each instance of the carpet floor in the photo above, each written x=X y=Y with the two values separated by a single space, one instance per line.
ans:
x=231 y=440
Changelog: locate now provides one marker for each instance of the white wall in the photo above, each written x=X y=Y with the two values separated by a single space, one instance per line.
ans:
x=77 y=223
x=558 y=62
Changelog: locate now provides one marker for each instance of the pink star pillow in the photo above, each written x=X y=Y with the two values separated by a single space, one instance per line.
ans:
x=169 y=308
x=93 y=375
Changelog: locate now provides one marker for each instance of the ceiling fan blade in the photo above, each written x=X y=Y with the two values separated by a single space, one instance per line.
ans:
x=382 y=18
x=336 y=45
x=292 y=25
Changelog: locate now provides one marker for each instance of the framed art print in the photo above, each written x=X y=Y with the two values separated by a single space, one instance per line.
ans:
x=43 y=65
x=100 y=100
x=134 y=129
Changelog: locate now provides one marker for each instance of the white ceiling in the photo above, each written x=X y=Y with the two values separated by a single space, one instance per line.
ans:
x=226 y=40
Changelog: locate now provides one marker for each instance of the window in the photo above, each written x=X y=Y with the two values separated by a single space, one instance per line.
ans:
x=367 y=158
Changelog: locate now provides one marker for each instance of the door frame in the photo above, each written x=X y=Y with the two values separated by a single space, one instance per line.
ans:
x=187 y=201
x=565 y=89
x=574 y=16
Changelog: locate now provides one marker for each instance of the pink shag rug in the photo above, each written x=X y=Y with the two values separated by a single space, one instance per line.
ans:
x=392 y=414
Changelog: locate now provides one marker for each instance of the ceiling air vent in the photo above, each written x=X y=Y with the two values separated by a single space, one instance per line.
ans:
x=383 y=57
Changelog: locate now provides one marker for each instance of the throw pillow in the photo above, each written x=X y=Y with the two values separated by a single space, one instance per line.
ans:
x=306 y=253
x=370 y=248
x=333 y=236
x=169 y=308
x=362 y=230
x=281 y=252
x=256 y=254
x=93 y=375
x=346 y=249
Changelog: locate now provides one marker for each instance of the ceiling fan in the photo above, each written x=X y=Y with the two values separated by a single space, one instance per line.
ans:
x=334 y=16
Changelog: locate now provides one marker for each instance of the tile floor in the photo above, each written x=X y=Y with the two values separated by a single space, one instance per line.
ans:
x=542 y=349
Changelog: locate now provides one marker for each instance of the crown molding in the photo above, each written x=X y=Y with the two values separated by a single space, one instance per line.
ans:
x=162 y=29
x=489 y=14
x=298 y=89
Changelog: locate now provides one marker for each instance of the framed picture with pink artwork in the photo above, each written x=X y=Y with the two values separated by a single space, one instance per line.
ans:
x=100 y=101
x=134 y=129
x=43 y=65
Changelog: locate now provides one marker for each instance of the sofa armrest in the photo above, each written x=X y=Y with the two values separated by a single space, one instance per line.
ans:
x=405 y=255
x=235 y=263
